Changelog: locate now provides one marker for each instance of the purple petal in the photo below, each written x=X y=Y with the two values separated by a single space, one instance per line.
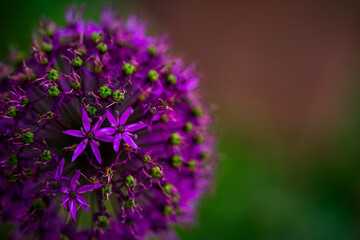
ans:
x=124 y=117
x=82 y=202
x=129 y=140
x=59 y=169
x=117 y=140
x=72 y=208
x=75 y=133
x=98 y=124
x=134 y=127
x=80 y=148
x=111 y=118
x=95 y=150
x=88 y=188
x=105 y=131
x=105 y=138
x=65 y=199
x=75 y=180
x=85 y=120
x=65 y=189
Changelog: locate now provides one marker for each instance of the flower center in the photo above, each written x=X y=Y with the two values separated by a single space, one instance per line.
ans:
x=72 y=194
x=90 y=135
x=121 y=129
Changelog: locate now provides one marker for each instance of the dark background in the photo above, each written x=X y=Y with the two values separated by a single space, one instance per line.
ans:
x=282 y=79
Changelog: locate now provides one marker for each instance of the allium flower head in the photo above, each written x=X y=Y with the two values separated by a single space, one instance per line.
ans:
x=125 y=119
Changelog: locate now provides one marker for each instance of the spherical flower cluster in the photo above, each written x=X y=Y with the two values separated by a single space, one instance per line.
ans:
x=102 y=134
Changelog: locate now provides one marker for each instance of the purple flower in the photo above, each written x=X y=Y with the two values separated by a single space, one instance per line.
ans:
x=90 y=135
x=72 y=195
x=57 y=178
x=76 y=77
x=122 y=130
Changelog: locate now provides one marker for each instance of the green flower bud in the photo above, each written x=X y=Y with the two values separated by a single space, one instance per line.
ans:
x=10 y=177
x=152 y=51
x=76 y=62
x=54 y=185
x=146 y=159
x=192 y=164
x=107 y=189
x=46 y=47
x=171 y=79
x=76 y=85
x=118 y=96
x=167 y=210
x=37 y=205
x=153 y=76
x=91 y=110
x=105 y=91
x=24 y=101
x=175 y=139
x=168 y=188
x=164 y=118
x=188 y=127
x=152 y=110
x=53 y=75
x=28 y=137
x=197 y=111
x=11 y=111
x=13 y=159
x=96 y=37
x=204 y=155
x=156 y=172
x=199 y=138
x=131 y=181
x=129 y=203
x=176 y=161
x=141 y=97
x=82 y=51
x=102 y=47
x=44 y=61
x=128 y=69
x=46 y=156
x=103 y=221
x=53 y=91
x=28 y=172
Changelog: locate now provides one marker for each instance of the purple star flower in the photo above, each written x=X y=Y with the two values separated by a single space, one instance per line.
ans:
x=57 y=178
x=122 y=130
x=90 y=135
x=71 y=195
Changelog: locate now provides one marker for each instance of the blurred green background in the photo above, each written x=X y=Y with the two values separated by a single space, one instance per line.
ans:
x=282 y=80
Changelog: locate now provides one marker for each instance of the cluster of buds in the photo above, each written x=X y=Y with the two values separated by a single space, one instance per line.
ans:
x=100 y=121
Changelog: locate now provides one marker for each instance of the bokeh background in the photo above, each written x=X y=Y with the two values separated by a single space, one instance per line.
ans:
x=282 y=80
